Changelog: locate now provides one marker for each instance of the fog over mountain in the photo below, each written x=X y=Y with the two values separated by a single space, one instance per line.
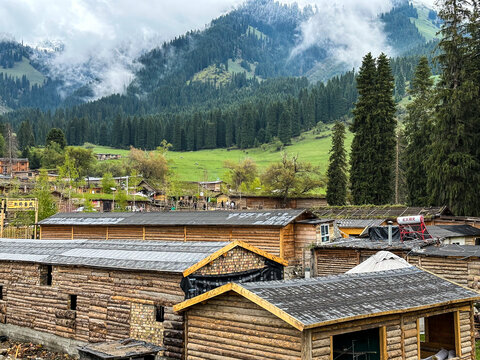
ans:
x=97 y=42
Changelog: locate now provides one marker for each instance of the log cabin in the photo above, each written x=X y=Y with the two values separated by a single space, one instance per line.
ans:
x=341 y=255
x=459 y=263
x=378 y=316
x=72 y=292
x=283 y=233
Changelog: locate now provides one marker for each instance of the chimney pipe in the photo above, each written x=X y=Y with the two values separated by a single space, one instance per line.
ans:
x=390 y=229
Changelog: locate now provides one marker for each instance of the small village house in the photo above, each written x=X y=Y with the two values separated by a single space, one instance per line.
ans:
x=378 y=316
x=68 y=293
x=455 y=234
x=10 y=166
x=284 y=233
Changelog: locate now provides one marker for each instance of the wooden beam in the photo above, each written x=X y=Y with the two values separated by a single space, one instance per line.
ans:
x=246 y=294
x=72 y=232
x=307 y=345
x=458 y=339
x=282 y=245
x=229 y=247
x=143 y=234
x=383 y=343
x=133 y=300
x=202 y=297
x=331 y=347
x=418 y=339
x=184 y=233
x=392 y=312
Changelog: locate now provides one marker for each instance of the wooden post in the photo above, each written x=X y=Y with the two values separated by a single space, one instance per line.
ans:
x=383 y=343
x=36 y=220
x=307 y=345
x=2 y=217
x=281 y=244
x=458 y=340
x=184 y=233
x=419 y=343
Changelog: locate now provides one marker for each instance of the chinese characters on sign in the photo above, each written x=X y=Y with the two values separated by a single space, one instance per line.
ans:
x=21 y=204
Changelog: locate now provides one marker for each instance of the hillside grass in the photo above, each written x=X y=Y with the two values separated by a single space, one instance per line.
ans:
x=24 y=68
x=424 y=25
x=234 y=67
x=207 y=165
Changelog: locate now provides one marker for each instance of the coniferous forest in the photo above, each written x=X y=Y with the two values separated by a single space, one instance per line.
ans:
x=166 y=101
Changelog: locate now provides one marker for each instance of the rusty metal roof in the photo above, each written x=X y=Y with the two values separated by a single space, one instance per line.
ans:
x=277 y=218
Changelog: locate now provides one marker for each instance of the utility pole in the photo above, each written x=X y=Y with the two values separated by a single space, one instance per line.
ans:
x=397 y=169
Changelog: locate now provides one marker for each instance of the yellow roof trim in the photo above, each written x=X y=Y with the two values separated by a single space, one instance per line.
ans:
x=248 y=295
x=229 y=247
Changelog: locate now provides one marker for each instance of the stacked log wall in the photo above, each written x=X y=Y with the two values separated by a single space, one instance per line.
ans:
x=231 y=327
x=106 y=303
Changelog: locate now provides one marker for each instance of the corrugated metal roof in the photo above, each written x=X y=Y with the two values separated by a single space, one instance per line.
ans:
x=332 y=298
x=119 y=254
x=179 y=218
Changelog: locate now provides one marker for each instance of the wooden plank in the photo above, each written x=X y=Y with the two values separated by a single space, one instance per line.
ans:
x=418 y=339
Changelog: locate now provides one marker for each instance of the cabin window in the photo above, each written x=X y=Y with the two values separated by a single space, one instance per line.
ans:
x=159 y=313
x=1 y=292
x=477 y=241
x=73 y=302
x=325 y=233
x=437 y=335
x=363 y=344
x=46 y=275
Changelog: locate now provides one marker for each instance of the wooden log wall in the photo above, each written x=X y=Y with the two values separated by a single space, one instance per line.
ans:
x=305 y=236
x=450 y=268
x=231 y=327
x=106 y=304
x=263 y=237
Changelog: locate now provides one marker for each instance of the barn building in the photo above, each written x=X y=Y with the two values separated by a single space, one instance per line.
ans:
x=283 y=233
x=68 y=293
x=376 y=316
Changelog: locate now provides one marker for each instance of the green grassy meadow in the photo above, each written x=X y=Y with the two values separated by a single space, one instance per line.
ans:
x=424 y=25
x=208 y=164
x=24 y=68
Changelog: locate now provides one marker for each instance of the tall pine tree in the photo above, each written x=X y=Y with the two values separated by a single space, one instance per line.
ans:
x=337 y=168
x=373 y=146
x=418 y=128
x=454 y=164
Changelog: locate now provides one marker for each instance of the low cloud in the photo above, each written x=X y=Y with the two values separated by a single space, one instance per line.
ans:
x=348 y=29
x=102 y=38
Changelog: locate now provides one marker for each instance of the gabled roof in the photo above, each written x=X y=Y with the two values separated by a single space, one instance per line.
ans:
x=164 y=256
x=379 y=212
x=448 y=231
x=278 y=218
x=310 y=303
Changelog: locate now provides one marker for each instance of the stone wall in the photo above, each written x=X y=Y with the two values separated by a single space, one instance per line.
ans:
x=236 y=260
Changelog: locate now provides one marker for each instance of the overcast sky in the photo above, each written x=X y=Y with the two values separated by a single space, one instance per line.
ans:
x=115 y=31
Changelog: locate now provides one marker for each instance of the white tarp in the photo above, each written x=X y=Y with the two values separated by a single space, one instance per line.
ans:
x=382 y=260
